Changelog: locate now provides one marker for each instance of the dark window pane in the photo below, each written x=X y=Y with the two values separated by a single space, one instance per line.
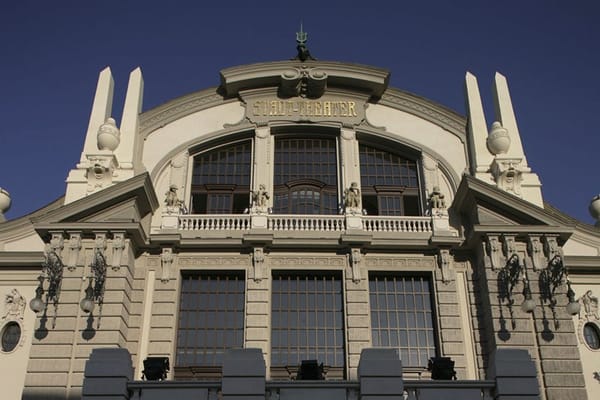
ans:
x=389 y=183
x=591 y=335
x=401 y=318
x=305 y=176
x=221 y=180
x=211 y=318
x=310 y=328
x=11 y=336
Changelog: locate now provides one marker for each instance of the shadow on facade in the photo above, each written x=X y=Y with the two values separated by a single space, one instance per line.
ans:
x=89 y=332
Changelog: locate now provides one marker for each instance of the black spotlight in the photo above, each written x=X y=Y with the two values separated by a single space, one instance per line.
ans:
x=441 y=368
x=155 y=368
x=310 y=370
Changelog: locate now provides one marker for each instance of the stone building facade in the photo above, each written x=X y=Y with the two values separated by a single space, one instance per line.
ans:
x=306 y=209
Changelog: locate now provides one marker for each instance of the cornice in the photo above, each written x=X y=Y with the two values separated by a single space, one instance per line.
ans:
x=139 y=187
x=426 y=109
x=22 y=226
x=19 y=259
x=589 y=265
x=356 y=77
x=178 y=108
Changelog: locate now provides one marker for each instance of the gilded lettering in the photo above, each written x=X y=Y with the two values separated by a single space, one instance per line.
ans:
x=352 y=109
x=327 y=109
x=309 y=108
x=343 y=109
x=273 y=110
x=256 y=108
x=317 y=108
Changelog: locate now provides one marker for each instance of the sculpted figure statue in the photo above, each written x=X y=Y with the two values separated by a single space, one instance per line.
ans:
x=352 y=196
x=590 y=304
x=260 y=197
x=15 y=305
x=436 y=198
x=171 y=199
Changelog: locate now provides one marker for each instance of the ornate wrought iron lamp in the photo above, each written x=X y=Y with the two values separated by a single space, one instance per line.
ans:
x=94 y=293
x=552 y=278
x=528 y=304
x=52 y=271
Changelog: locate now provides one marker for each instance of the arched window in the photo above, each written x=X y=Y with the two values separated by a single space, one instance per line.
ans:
x=221 y=180
x=390 y=183
x=305 y=176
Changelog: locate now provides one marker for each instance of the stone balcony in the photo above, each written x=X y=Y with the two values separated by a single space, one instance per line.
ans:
x=303 y=223
x=296 y=230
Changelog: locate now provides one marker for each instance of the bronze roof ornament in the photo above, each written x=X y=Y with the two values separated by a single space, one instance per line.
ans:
x=303 y=53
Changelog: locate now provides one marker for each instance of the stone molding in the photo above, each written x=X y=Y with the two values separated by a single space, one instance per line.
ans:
x=204 y=261
x=384 y=262
x=427 y=110
x=179 y=108
x=298 y=262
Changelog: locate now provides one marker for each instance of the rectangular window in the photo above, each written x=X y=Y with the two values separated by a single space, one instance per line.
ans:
x=402 y=316
x=211 y=320
x=307 y=323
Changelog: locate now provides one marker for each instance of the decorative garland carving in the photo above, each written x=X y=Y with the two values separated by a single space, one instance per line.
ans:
x=237 y=261
x=258 y=260
x=445 y=262
x=74 y=249
x=280 y=261
x=400 y=262
x=167 y=257
x=355 y=264
x=536 y=252
x=118 y=245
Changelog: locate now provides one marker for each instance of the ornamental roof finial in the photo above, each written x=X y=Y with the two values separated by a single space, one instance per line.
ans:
x=301 y=38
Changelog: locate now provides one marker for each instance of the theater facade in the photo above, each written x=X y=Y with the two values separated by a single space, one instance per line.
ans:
x=306 y=209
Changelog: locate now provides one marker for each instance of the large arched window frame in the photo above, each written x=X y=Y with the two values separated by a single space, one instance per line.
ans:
x=306 y=175
x=221 y=179
x=390 y=182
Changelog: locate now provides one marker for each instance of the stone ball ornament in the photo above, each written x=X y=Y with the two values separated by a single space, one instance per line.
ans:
x=5 y=201
x=594 y=208
x=109 y=135
x=498 y=141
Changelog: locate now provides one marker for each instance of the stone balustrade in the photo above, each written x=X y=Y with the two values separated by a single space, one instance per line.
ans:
x=305 y=223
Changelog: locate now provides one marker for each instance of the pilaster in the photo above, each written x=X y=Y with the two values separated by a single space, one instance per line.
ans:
x=480 y=156
x=130 y=150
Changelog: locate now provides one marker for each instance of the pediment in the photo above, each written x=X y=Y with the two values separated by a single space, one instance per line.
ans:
x=121 y=207
x=486 y=208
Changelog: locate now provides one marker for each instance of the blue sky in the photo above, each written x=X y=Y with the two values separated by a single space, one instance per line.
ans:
x=51 y=54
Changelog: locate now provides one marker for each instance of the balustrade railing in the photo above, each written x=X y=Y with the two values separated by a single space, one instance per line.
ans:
x=304 y=223
x=320 y=223
x=214 y=222
x=396 y=224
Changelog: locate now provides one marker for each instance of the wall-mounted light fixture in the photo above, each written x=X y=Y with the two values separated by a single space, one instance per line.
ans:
x=552 y=277
x=52 y=271
x=528 y=304
x=94 y=293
